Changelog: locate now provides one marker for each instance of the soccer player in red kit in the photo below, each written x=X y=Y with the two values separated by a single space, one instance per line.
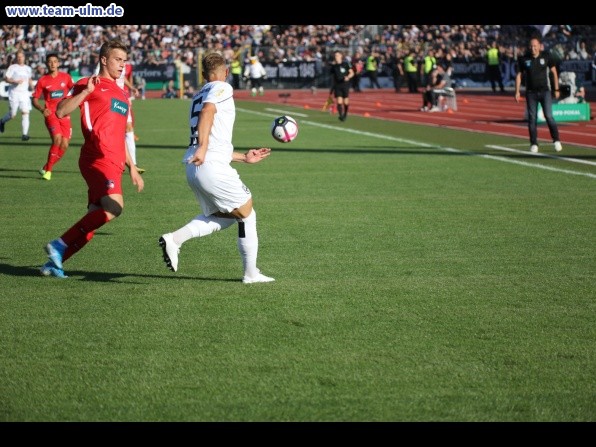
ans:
x=104 y=110
x=54 y=87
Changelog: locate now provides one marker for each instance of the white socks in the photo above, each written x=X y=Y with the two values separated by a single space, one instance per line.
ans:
x=201 y=226
x=132 y=147
x=25 y=123
x=248 y=242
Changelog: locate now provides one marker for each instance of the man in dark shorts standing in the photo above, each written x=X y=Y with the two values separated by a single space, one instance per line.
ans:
x=104 y=110
x=341 y=73
x=535 y=66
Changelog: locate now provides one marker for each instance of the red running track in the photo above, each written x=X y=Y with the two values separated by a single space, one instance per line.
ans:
x=478 y=111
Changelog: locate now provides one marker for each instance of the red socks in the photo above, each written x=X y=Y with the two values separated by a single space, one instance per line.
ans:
x=77 y=236
x=54 y=156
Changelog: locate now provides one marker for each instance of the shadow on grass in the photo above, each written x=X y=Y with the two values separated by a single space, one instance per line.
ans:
x=33 y=174
x=22 y=271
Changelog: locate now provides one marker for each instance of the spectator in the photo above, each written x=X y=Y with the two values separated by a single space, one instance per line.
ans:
x=189 y=90
x=395 y=67
x=357 y=68
x=571 y=92
x=169 y=90
x=141 y=85
x=439 y=80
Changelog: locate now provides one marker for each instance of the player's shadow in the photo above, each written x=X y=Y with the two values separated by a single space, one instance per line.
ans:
x=30 y=175
x=106 y=277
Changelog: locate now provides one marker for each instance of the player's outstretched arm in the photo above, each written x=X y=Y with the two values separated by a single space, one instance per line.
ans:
x=253 y=155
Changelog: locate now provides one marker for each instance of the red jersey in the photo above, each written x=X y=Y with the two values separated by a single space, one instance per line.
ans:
x=103 y=121
x=53 y=89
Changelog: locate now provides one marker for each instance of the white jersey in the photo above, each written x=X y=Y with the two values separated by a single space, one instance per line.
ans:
x=220 y=146
x=19 y=72
x=255 y=70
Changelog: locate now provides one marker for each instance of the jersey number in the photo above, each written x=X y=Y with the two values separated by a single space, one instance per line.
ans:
x=197 y=106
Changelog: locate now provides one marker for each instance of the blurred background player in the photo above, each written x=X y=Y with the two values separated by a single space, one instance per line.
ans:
x=20 y=77
x=53 y=86
x=341 y=73
x=126 y=81
x=256 y=73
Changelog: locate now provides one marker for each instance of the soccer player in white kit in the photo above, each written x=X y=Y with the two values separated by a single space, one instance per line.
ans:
x=20 y=78
x=223 y=198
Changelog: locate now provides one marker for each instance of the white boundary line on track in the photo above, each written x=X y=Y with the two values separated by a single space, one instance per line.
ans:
x=420 y=144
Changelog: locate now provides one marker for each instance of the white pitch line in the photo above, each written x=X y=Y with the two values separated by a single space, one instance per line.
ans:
x=556 y=157
x=420 y=144
x=286 y=112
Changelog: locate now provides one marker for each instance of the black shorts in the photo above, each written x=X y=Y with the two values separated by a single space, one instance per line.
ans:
x=342 y=90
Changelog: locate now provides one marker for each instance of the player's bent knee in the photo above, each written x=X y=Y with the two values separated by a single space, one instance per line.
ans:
x=112 y=207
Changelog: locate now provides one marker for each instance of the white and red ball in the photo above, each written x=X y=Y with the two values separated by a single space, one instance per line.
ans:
x=284 y=129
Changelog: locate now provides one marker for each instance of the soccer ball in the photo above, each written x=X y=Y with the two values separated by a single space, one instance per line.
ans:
x=284 y=129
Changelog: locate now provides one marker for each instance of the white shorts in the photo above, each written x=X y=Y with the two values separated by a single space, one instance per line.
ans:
x=19 y=101
x=217 y=187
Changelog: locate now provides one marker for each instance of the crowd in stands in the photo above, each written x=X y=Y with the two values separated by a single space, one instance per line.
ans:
x=159 y=44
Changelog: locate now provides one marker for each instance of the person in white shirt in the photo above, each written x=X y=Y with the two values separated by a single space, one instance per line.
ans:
x=255 y=72
x=223 y=198
x=20 y=78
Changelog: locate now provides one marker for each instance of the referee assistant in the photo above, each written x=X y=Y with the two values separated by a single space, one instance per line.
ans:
x=341 y=73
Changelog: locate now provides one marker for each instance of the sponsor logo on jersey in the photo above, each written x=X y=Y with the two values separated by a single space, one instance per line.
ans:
x=56 y=94
x=120 y=107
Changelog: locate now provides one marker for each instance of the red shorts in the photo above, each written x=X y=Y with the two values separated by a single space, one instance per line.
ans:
x=57 y=126
x=103 y=178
